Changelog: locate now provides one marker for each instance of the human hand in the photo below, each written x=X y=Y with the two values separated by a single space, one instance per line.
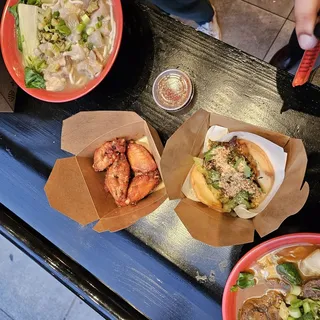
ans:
x=306 y=13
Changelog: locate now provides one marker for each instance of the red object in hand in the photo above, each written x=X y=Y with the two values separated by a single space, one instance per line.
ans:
x=306 y=65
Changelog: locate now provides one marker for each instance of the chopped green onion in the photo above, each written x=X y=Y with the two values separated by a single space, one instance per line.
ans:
x=54 y=22
x=98 y=24
x=294 y=312
x=84 y=36
x=90 y=45
x=296 y=290
x=90 y=31
x=85 y=19
x=56 y=14
x=208 y=155
x=80 y=27
x=65 y=30
x=34 y=2
x=47 y=36
x=290 y=298
x=297 y=303
x=306 y=307
x=62 y=28
x=55 y=49
x=36 y=64
x=68 y=46
x=61 y=22
x=54 y=37
x=100 y=18
x=216 y=185
x=247 y=171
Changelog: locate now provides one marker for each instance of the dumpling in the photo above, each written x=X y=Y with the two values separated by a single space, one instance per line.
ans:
x=96 y=39
x=76 y=54
x=310 y=266
x=55 y=84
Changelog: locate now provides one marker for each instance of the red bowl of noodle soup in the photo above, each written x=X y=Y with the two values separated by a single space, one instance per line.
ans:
x=79 y=59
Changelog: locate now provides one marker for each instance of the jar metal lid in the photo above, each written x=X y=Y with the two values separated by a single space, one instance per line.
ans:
x=172 y=90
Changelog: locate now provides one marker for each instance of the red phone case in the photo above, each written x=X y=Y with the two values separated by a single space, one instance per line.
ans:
x=306 y=65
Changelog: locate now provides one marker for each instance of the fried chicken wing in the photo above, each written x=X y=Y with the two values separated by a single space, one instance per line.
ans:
x=117 y=180
x=119 y=145
x=105 y=155
x=141 y=185
x=140 y=158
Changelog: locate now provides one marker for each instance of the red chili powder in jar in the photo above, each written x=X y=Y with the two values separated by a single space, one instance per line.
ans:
x=172 y=89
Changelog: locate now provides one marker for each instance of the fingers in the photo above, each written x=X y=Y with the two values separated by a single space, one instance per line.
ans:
x=306 y=12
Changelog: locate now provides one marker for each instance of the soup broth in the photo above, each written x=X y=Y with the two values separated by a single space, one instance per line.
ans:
x=66 y=43
x=272 y=285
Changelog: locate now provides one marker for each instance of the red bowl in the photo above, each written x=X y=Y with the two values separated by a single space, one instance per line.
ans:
x=229 y=311
x=13 y=60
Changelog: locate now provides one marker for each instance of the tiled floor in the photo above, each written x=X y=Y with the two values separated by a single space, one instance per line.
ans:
x=281 y=40
x=248 y=27
x=27 y=292
x=258 y=27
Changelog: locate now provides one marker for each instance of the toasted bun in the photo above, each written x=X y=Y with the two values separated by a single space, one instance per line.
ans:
x=264 y=166
x=203 y=192
x=210 y=196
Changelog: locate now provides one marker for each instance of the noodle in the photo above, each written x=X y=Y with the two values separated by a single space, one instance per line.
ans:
x=113 y=27
x=76 y=1
x=71 y=76
x=81 y=81
x=105 y=52
x=49 y=5
x=80 y=64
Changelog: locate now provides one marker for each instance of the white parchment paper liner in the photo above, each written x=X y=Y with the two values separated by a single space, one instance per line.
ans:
x=276 y=155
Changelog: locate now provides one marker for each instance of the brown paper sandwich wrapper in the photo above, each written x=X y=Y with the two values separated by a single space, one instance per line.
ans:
x=221 y=229
x=77 y=191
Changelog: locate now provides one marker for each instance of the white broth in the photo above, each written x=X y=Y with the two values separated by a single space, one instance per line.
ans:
x=66 y=43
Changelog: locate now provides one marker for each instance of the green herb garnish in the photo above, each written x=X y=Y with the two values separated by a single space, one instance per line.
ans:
x=245 y=280
x=34 y=79
x=289 y=272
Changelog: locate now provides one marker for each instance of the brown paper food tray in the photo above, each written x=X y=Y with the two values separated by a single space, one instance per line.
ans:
x=76 y=190
x=221 y=229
